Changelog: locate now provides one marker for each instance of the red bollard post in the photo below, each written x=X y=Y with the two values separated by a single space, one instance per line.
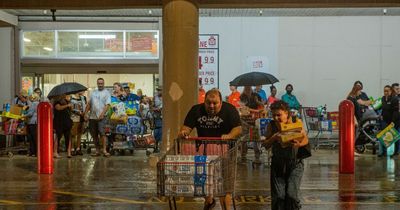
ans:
x=45 y=138
x=346 y=137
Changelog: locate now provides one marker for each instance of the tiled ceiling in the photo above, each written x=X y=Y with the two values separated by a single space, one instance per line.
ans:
x=76 y=14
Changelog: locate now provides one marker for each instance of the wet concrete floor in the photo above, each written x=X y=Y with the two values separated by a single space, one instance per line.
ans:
x=128 y=182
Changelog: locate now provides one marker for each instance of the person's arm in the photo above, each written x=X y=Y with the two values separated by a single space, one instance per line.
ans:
x=60 y=107
x=30 y=112
x=363 y=102
x=104 y=111
x=87 y=109
x=270 y=138
x=234 y=134
x=300 y=141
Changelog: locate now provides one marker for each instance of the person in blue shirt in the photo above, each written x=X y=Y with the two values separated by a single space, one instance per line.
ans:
x=291 y=99
x=130 y=96
x=261 y=93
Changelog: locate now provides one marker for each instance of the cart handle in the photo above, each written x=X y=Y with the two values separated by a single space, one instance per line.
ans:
x=207 y=139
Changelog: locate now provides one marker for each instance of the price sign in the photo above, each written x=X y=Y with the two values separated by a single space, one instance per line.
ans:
x=208 y=60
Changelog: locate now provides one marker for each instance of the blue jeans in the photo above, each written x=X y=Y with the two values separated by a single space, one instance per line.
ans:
x=286 y=177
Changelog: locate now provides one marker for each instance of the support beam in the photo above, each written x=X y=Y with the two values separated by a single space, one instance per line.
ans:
x=7 y=19
x=180 y=64
x=126 y=4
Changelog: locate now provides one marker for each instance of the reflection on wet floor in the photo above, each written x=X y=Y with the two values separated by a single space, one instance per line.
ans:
x=128 y=182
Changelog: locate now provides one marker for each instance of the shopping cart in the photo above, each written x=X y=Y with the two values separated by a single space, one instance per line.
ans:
x=198 y=167
x=322 y=126
x=252 y=135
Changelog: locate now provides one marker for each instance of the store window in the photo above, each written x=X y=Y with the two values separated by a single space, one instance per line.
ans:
x=38 y=44
x=142 y=44
x=90 y=44
x=136 y=44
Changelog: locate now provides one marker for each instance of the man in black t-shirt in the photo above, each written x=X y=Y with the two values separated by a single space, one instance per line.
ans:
x=213 y=118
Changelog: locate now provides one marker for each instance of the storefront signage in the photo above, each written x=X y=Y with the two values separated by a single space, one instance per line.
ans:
x=208 y=60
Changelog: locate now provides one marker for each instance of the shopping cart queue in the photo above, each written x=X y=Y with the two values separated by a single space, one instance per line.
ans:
x=76 y=114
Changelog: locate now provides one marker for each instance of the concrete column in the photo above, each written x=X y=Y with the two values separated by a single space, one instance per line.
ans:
x=180 y=64
x=6 y=64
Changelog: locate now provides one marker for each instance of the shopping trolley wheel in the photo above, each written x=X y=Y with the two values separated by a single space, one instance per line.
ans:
x=361 y=148
x=10 y=154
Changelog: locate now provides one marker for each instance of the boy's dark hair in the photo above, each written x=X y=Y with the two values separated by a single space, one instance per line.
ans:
x=280 y=105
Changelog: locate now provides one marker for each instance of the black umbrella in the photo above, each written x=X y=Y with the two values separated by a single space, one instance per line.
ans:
x=66 y=89
x=253 y=79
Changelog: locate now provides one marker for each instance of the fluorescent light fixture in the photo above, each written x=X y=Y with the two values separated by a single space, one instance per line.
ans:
x=155 y=36
x=48 y=49
x=27 y=40
x=97 y=36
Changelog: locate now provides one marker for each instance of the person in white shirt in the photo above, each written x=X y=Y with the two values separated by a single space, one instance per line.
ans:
x=99 y=103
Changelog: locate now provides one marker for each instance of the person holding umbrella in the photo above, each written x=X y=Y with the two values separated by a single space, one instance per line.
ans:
x=62 y=122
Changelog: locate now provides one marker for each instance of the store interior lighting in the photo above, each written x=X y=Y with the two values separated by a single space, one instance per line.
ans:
x=48 y=49
x=97 y=36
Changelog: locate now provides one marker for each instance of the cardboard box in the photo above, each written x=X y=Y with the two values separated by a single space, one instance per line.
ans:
x=16 y=110
x=291 y=126
x=288 y=136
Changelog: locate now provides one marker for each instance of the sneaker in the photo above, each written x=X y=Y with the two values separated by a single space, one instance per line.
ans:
x=208 y=206
x=356 y=154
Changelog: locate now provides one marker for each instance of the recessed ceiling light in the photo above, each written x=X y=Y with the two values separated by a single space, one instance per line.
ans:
x=48 y=49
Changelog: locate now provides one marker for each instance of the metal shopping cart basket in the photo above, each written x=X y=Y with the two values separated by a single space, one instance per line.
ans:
x=253 y=130
x=319 y=122
x=197 y=167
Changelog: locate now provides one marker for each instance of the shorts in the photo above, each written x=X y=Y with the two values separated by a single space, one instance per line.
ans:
x=96 y=127
x=77 y=128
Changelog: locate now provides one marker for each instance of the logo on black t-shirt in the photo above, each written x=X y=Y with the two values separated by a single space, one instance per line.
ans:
x=210 y=121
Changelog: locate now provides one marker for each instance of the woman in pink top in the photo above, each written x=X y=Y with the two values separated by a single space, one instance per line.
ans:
x=272 y=98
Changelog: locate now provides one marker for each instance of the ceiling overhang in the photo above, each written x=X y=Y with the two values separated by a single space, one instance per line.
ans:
x=121 y=4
